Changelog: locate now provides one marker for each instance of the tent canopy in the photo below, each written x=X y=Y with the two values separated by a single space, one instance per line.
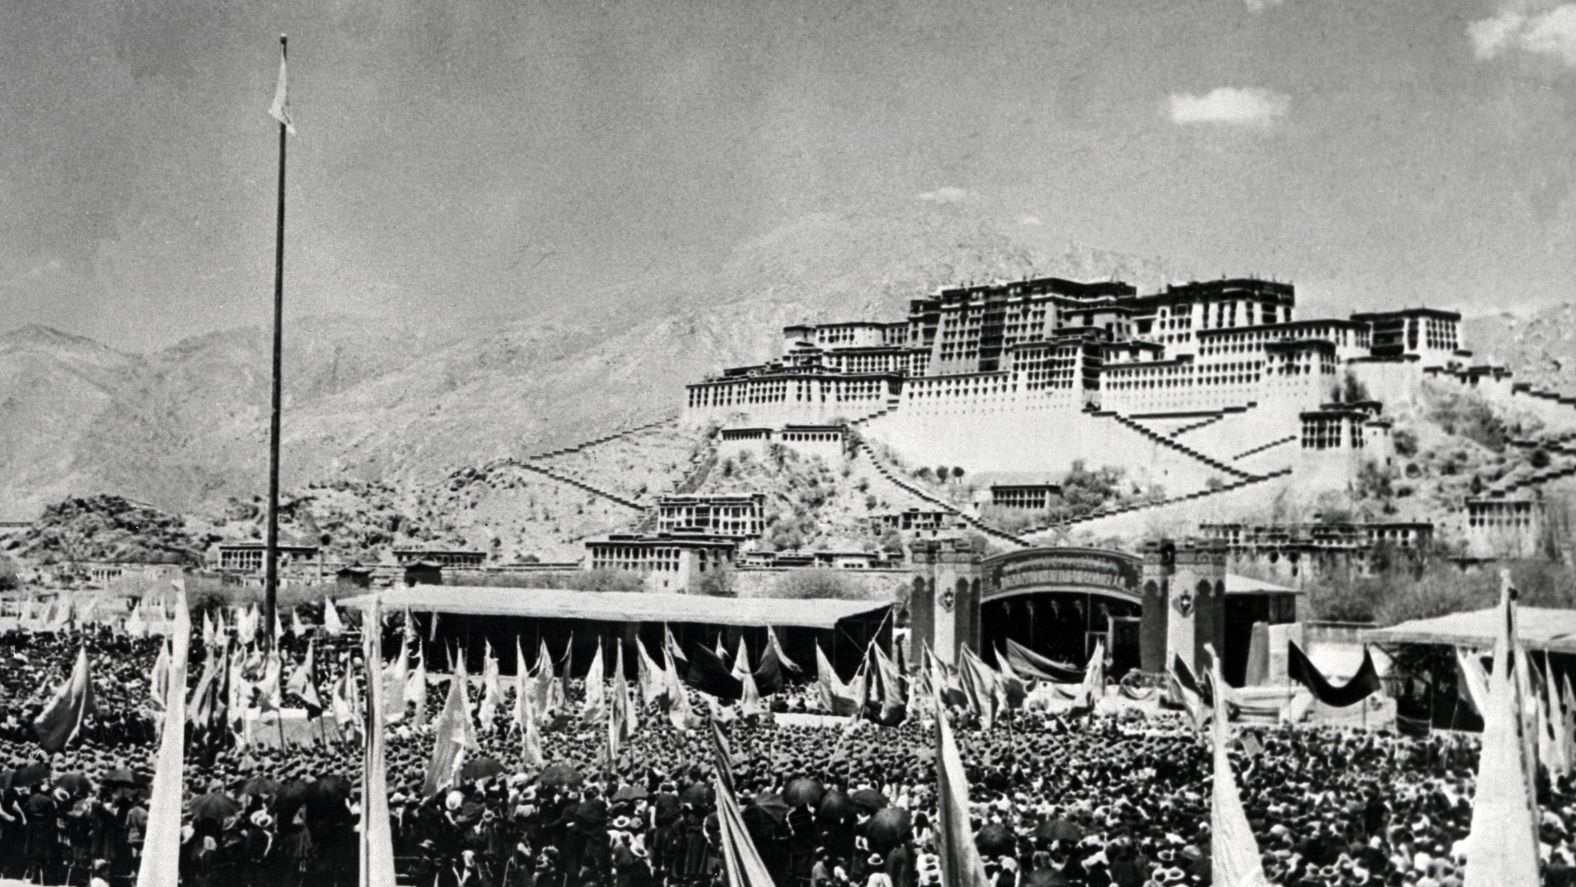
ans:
x=1236 y=585
x=620 y=606
x=1537 y=628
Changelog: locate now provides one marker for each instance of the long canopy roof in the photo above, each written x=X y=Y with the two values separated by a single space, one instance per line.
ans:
x=620 y=606
x=1536 y=627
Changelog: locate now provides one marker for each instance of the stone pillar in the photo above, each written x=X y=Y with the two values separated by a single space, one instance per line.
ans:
x=1184 y=605
x=949 y=568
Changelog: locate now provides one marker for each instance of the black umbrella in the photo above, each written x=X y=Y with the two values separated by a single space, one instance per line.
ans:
x=289 y=799
x=481 y=768
x=698 y=794
x=869 y=800
x=804 y=792
x=834 y=806
x=214 y=806
x=560 y=775
x=889 y=827
x=1059 y=830
x=76 y=784
x=994 y=840
x=121 y=776
x=30 y=774
x=629 y=793
x=6 y=775
x=770 y=805
x=260 y=785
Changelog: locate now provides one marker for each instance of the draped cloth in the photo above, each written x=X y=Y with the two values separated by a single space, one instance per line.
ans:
x=377 y=839
x=961 y=865
x=836 y=696
x=1502 y=847
x=1030 y=664
x=739 y=856
x=1363 y=684
x=1474 y=680
x=161 y=844
x=1234 y=854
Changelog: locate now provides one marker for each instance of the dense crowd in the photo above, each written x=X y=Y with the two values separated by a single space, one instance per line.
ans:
x=1058 y=799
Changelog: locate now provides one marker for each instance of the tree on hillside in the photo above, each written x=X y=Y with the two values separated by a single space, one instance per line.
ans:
x=941 y=473
x=9 y=580
x=957 y=472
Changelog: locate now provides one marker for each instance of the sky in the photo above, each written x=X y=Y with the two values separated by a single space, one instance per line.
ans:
x=487 y=157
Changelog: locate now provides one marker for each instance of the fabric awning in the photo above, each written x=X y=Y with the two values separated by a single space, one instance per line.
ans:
x=1236 y=584
x=620 y=606
x=1537 y=628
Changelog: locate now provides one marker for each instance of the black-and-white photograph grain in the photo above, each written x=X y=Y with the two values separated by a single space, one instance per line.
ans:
x=788 y=443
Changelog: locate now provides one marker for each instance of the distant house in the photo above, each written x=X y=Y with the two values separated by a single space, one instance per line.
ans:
x=1024 y=497
x=248 y=557
x=447 y=557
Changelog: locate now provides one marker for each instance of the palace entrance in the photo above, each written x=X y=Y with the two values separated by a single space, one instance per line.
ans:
x=1061 y=603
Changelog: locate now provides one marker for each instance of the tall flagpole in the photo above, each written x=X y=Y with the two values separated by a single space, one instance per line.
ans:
x=271 y=576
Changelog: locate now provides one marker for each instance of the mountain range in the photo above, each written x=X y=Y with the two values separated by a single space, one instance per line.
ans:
x=396 y=400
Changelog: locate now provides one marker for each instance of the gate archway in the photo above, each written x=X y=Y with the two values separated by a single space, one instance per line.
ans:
x=1061 y=602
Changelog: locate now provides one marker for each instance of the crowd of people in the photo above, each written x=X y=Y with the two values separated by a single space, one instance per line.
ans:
x=1087 y=799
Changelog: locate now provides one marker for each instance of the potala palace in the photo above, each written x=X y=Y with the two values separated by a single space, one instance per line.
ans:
x=1215 y=392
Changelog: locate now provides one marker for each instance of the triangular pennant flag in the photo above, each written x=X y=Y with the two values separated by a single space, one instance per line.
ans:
x=161 y=841
x=416 y=690
x=331 y=623
x=453 y=735
x=1502 y=846
x=492 y=690
x=1234 y=854
x=377 y=838
x=594 y=710
x=279 y=109
x=297 y=628
x=961 y=865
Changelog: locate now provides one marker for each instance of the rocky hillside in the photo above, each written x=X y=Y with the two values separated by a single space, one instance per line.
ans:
x=1540 y=346
x=106 y=528
x=384 y=401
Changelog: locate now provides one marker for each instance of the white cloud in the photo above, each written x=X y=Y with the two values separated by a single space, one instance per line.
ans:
x=1030 y=220
x=1248 y=106
x=1551 y=32
x=1261 y=5
x=946 y=194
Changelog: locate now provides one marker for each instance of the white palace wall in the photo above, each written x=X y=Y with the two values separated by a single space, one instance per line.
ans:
x=993 y=438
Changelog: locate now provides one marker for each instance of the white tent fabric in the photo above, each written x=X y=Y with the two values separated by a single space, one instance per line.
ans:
x=620 y=606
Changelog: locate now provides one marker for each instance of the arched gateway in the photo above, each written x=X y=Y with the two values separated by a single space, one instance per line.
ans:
x=1168 y=602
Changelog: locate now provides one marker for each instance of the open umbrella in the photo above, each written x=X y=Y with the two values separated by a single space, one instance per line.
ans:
x=994 y=840
x=770 y=805
x=869 y=800
x=560 y=775
x=76 y=784
x=1059 y=830
x=629 y=793
x=698 y=793
x=889 y=827
x=834 y=806
x=257 y=786
x=121 y=776
x=804 y=792
x=215 y=807
x=30 y=774
x=481 y=768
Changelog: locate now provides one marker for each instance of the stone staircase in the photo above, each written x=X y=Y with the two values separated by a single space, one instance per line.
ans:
x=1073 y=524
x=606 y=438
x=1197 y=425
x=575 y=482
x=895 y=478
x=1182 y=448
x=1291 y=438
x=890 y=408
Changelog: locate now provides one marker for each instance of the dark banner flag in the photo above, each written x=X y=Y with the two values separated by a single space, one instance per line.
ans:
x=72 y=703
x=1362 y=685
x=708 y=674
x=769 y=672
